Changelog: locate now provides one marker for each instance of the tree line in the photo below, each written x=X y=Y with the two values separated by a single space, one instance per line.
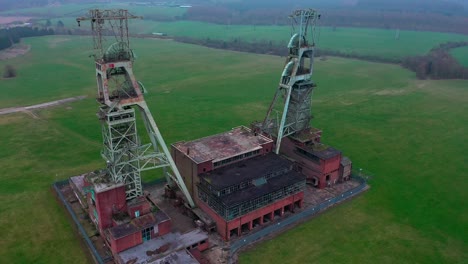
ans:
x=437 y=64
x=387 y=19
x=11 y=36
x=269 y=47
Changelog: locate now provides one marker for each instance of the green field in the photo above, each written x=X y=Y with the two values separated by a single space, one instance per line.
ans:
x=359 y=41
x=461 y=54
x=410 y=134
x=356 y=41
x=362 y=41
x=81 y=9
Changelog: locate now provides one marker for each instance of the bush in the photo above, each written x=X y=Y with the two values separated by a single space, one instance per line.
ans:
x=9 y=72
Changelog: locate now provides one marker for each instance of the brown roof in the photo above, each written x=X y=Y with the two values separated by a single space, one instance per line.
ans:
x=306 y=134
x=138 y=224
x=237 y=141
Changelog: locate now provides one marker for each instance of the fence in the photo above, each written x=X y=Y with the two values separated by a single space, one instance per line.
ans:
x=97 y=257
x=295 y=218
x=236 y=245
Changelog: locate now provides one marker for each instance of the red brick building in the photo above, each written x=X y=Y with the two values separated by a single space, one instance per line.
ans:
x=322 y=165
x=129 y=226
x=252 y=192
x=209 y=153
x=236 y=179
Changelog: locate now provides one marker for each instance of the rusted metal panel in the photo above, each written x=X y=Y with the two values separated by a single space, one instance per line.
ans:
x=237 y=141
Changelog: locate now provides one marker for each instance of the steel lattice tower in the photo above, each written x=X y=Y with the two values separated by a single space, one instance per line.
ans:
x=296 y=85
x=120 y=94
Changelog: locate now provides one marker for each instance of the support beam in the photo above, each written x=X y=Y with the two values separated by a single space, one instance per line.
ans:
x=177 y=178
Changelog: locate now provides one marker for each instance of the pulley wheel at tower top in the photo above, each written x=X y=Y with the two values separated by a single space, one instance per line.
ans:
x=118 y=51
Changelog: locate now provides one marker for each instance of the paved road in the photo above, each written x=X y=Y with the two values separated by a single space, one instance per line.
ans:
x=11 y=110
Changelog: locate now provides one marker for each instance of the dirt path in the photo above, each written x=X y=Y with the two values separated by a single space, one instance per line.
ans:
x=27 y=109
x=14 y=51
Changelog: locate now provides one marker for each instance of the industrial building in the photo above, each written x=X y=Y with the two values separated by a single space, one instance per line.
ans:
x=237 y=180
x=245 y=177
x=321 y=164
x=132 y=226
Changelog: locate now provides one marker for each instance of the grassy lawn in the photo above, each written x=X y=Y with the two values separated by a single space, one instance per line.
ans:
x=461 y=54
x=411 y=134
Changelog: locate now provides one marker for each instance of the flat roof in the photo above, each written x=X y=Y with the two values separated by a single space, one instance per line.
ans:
x=101 y=181
x=221 y=146
x=147 y=252
x=306 y=135
x=272 y=185
x=181 y=256
x=322 y=151
x=345 y=161
x=246 y=170
x=249 y=170
x=78 y=181
x=138 y=224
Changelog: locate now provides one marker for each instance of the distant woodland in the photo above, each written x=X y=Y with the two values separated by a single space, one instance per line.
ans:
x=9 y=37
x=438 y=63
x=334 y=17
x=427 y=15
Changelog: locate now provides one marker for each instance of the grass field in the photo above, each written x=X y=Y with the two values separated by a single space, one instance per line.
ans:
x=360 y=41
x=461 y=54
x=364 y=41
x=81 y=9
x=411 y=134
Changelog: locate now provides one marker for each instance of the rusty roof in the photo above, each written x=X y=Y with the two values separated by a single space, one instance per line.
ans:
x=138 y=224
x=306 y=135
x=217 y=147
x=145 y=253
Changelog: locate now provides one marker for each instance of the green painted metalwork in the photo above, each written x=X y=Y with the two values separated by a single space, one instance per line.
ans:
x=296 y=85
x=121 y=148
x=120 y=94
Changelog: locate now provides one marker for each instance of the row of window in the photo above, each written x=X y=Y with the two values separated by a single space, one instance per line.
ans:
x=248 y=206
x=235 y=158
x=234 y=188
x=311 y=156
x=212 y=203
x=247 y=183
x=264 y=200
